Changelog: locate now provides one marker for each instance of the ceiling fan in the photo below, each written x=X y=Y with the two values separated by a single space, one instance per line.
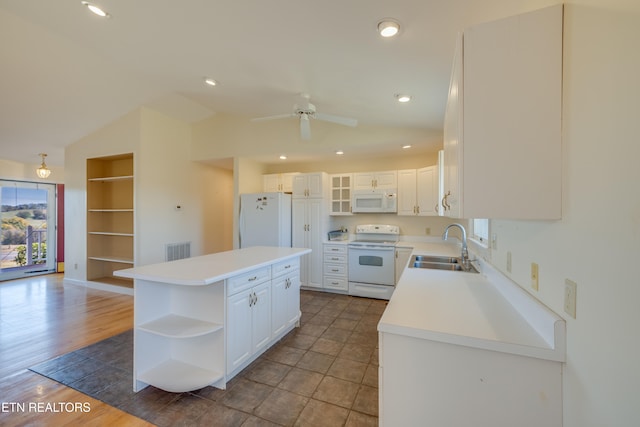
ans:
x=305 y=110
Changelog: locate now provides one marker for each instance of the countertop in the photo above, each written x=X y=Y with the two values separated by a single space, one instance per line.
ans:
x=211 y=268
x=477 y=310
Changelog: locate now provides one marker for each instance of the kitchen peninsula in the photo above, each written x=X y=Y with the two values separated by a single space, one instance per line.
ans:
x=199 y=321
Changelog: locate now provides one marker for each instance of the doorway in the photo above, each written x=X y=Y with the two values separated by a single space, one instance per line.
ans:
x=28 y=239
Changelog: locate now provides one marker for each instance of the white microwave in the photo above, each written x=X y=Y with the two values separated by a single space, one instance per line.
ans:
x=368 y=201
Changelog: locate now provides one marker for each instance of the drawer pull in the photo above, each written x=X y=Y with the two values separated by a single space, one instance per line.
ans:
x=335 y=270
x=251 y=279
x=287 y=266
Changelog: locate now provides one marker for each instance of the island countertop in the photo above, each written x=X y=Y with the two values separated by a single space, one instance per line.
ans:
x=211 y=268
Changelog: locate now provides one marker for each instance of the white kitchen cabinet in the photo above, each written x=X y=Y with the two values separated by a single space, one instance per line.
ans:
x=285 y=297
x=310 y=185
x=418 y=191
x=341 y=194
x=444 y=384
x=278 y=182
x=336 y=276
x=402 y=258
x=248 y=316
x=386 y=180
x=310 y=224
x=502 y=130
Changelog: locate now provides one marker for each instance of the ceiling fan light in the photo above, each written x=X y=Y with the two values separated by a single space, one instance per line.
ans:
x=95 y=9
x=388 y=27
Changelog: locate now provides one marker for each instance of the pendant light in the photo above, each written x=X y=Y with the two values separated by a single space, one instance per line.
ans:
x=43 y=171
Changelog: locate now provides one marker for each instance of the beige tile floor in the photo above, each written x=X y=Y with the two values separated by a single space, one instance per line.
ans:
x=324 y=373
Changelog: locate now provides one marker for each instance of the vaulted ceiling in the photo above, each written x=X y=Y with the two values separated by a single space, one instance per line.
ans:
x=66 y=72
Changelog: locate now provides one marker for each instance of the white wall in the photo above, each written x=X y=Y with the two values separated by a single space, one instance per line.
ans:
x=10 y=169
x=596 y=244
x=165 y=176
x=121 y=136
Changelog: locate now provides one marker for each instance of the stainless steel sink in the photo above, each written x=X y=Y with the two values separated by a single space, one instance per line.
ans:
x=435 y=258
x=440 y=263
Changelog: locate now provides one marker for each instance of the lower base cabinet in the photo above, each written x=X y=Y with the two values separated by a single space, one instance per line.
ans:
x=442 y=384
x=248 y=324
x=285 y=303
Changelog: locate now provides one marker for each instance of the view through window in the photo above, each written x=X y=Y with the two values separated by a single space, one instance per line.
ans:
x=28 y=244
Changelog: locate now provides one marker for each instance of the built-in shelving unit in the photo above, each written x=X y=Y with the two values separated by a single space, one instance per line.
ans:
x=110 y=218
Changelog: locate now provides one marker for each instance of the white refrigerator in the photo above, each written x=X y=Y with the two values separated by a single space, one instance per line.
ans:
x=265 y=219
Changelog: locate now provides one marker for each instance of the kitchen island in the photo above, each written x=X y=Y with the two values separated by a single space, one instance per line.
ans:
x=199 y=321
x=460 y=348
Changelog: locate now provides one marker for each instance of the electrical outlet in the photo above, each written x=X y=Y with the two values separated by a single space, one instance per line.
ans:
x=75 y=266
x=508 y=262
x=570 y=294
x=534 y=276
x=427 y=231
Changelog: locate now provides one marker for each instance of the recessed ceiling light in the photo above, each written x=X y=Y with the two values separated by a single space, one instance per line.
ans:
x=283 y=157
x=210 y=82
x=405 y=147
x=388 y=27
x=95 y=9
x=403 y=98
x=339 y=152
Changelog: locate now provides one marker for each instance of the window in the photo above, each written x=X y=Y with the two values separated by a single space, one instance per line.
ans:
x=28 y=240
x=481 y=231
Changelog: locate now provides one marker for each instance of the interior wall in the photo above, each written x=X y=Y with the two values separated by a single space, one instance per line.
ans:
x=596 y=242
x=229 y=135
x=10 y=169
x=120 y=136
x=217 y=209
x=348 y=164
x=170 y=207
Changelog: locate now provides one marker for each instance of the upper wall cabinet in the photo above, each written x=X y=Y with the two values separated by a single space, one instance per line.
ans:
x=278 y=182
x=310 y=185
x=502 y=131
x=418 y=191
x=375 y=180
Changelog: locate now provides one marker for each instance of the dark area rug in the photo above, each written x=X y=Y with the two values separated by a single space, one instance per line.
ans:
x=104 y=371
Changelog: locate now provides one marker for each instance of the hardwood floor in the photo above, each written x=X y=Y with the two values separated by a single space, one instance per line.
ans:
x=41 y=318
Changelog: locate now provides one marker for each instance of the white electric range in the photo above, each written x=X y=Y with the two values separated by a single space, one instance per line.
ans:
x=372 y=261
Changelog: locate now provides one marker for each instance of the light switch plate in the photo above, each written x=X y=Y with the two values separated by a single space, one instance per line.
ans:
x=570 y=296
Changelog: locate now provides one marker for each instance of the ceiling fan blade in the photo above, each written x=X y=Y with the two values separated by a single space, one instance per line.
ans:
x=305 y=127
x=346 y=121
x=278 y=116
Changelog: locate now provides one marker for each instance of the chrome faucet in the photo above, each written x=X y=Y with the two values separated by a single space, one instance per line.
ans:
x=464 y=256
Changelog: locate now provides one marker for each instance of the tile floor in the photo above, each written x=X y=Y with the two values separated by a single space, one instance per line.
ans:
x=324 y=373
